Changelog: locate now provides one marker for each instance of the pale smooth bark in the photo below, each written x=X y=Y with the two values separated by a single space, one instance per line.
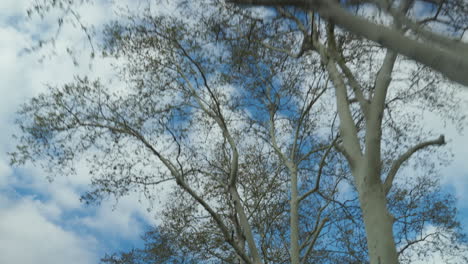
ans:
x=365 y=163
x=377 y=220
x=404 y=157
x=437 y=54
x=366 y=172
x=294 y=220
x=294 y=249
x=244 y=223
x=292 y=162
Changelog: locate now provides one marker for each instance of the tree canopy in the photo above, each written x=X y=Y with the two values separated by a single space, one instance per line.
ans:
x=279 y=137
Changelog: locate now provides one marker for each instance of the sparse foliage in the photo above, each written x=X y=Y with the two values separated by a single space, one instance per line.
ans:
x=280 y=138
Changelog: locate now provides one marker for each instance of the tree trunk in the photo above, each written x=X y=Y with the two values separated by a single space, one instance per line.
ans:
x=244 y=223
x=294 y=220
x=378 y=223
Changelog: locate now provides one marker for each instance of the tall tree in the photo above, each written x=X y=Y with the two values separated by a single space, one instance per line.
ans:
x=361 y=103
x=180 y=121
x=235 y=123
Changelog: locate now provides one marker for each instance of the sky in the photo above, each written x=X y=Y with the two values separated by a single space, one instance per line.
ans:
x=43 y=222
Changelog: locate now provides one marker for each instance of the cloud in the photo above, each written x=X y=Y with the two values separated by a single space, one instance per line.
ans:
x=43 y=222
x=13 y=7
x=451 y=254
x=5 y=171
x=455 y=175
x=128 y=216
x=28 y=236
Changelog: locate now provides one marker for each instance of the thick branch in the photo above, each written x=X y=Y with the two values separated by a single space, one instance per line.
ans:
x=445 y=42
x=444 y=60
x=376 y=109
x=398 y=162
x=357 y=88
x=347 y=125
x=245 y=225
x=382 y=81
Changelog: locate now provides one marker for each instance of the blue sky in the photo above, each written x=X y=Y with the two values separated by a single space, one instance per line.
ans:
x=43 y=222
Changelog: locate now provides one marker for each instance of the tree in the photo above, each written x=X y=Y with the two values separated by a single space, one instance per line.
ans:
x=424 y=44
x=414 y=204
x=360 y=127
x=225 y=116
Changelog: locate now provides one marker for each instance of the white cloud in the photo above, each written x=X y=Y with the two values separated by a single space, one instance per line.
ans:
x=13 y=7
x=5 y=172
x=29 y=237
x=32 y=229
x=456 y=173
x=41 y=222
x=124 y=217
x=435 y=255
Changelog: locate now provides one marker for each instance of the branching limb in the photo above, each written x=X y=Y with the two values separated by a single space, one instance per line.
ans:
x=285 y=51
x=224 y=229
x=312 y=151
x=357 y=88
x=445 y=42
x=314 y=239
x=216 y=114
x=441 y=59
x=383 y=78
x=306 y=45
x=298 y=22
x=319 y=174
x=398 y=162
x=304 y=114
x=410 y=243
x=347 y=126
x=316 y=226
x=182 y=183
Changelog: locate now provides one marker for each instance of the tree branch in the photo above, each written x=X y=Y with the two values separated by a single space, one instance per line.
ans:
x=357 y=88
x=181 y=182
x=398 y=162
x=443 y=41
x=304 y=113
x=319 y=174
x=441 y=59
x=412 y=242
x=347 y=125
x=314 y=239
x=233 y=172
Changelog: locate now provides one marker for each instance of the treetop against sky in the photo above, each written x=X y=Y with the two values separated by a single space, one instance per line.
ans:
x=232 y=116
